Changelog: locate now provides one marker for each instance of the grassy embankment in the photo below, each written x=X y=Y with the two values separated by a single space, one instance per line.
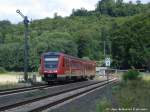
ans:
x=130 y=96
x=10 y=80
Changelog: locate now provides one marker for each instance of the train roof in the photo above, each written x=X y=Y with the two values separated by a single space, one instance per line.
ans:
x=52 y=53
x=59 y=53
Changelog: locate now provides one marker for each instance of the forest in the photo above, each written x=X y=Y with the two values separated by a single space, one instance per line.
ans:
x=122 y=28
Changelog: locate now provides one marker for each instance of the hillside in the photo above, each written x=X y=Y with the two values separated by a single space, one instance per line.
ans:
x=126 y=36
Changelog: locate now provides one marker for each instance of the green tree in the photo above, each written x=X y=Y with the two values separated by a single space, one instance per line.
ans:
x=131 y=43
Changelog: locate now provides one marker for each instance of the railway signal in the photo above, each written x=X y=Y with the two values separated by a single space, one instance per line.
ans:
x=107 y=62
x=26 y=21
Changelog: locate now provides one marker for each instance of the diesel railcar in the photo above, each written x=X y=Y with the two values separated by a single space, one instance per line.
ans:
x=57 y=66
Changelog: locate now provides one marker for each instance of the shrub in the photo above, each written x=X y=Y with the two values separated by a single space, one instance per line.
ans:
x=2 y=70
x=131 y=75
x=85 y=58
x=103 y=105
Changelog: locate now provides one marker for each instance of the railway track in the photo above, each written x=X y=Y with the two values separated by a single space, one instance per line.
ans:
x=29 y=88
x=42 y=103
x=23 y=89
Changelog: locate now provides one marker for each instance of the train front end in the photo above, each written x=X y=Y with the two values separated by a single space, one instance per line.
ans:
x=50 y=63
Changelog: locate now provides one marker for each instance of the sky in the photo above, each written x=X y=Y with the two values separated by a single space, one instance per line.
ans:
x=39 y=9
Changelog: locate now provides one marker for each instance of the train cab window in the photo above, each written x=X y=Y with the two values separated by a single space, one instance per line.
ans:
x=51 y=61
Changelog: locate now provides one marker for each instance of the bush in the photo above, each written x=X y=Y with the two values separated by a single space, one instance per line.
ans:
x=131 y=75
x=85 y=58
x=2 y=70
x=103 y=106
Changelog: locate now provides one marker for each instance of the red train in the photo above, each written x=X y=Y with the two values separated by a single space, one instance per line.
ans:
x=58 y=66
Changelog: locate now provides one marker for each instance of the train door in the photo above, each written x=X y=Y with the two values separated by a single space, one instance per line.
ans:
x=84 y=65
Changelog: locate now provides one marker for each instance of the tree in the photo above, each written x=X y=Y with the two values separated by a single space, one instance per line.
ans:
x=79 y=12
x=118 y=8
x=138 y=2
x=82 y=34
x=131 y=43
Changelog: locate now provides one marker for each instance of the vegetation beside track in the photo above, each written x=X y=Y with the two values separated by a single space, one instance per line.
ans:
x=9 y=80
x=10 y=77
x=132 y=94
x=9 y=85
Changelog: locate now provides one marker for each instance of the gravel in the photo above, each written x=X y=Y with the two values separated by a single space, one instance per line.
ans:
x=87 y=103
x=11 y=99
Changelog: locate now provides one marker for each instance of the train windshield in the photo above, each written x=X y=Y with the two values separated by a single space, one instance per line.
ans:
x=51 y=61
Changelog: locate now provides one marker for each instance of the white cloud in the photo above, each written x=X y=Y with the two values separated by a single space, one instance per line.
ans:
x=37 y=9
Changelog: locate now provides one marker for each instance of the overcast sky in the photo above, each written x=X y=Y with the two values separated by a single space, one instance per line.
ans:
x=38 y=9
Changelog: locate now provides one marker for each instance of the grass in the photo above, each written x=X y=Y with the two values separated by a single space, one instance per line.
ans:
x=146 y=76
x=103 y=105
x=10 y=77
x=134 y=94
x=9 y=85
x=10 y=80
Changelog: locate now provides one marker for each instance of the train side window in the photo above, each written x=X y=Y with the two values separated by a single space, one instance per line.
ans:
x=64 y=64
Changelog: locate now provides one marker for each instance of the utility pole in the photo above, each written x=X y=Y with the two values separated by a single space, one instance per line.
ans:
x=26 y=21
x=104 y=49
x=110 y=47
